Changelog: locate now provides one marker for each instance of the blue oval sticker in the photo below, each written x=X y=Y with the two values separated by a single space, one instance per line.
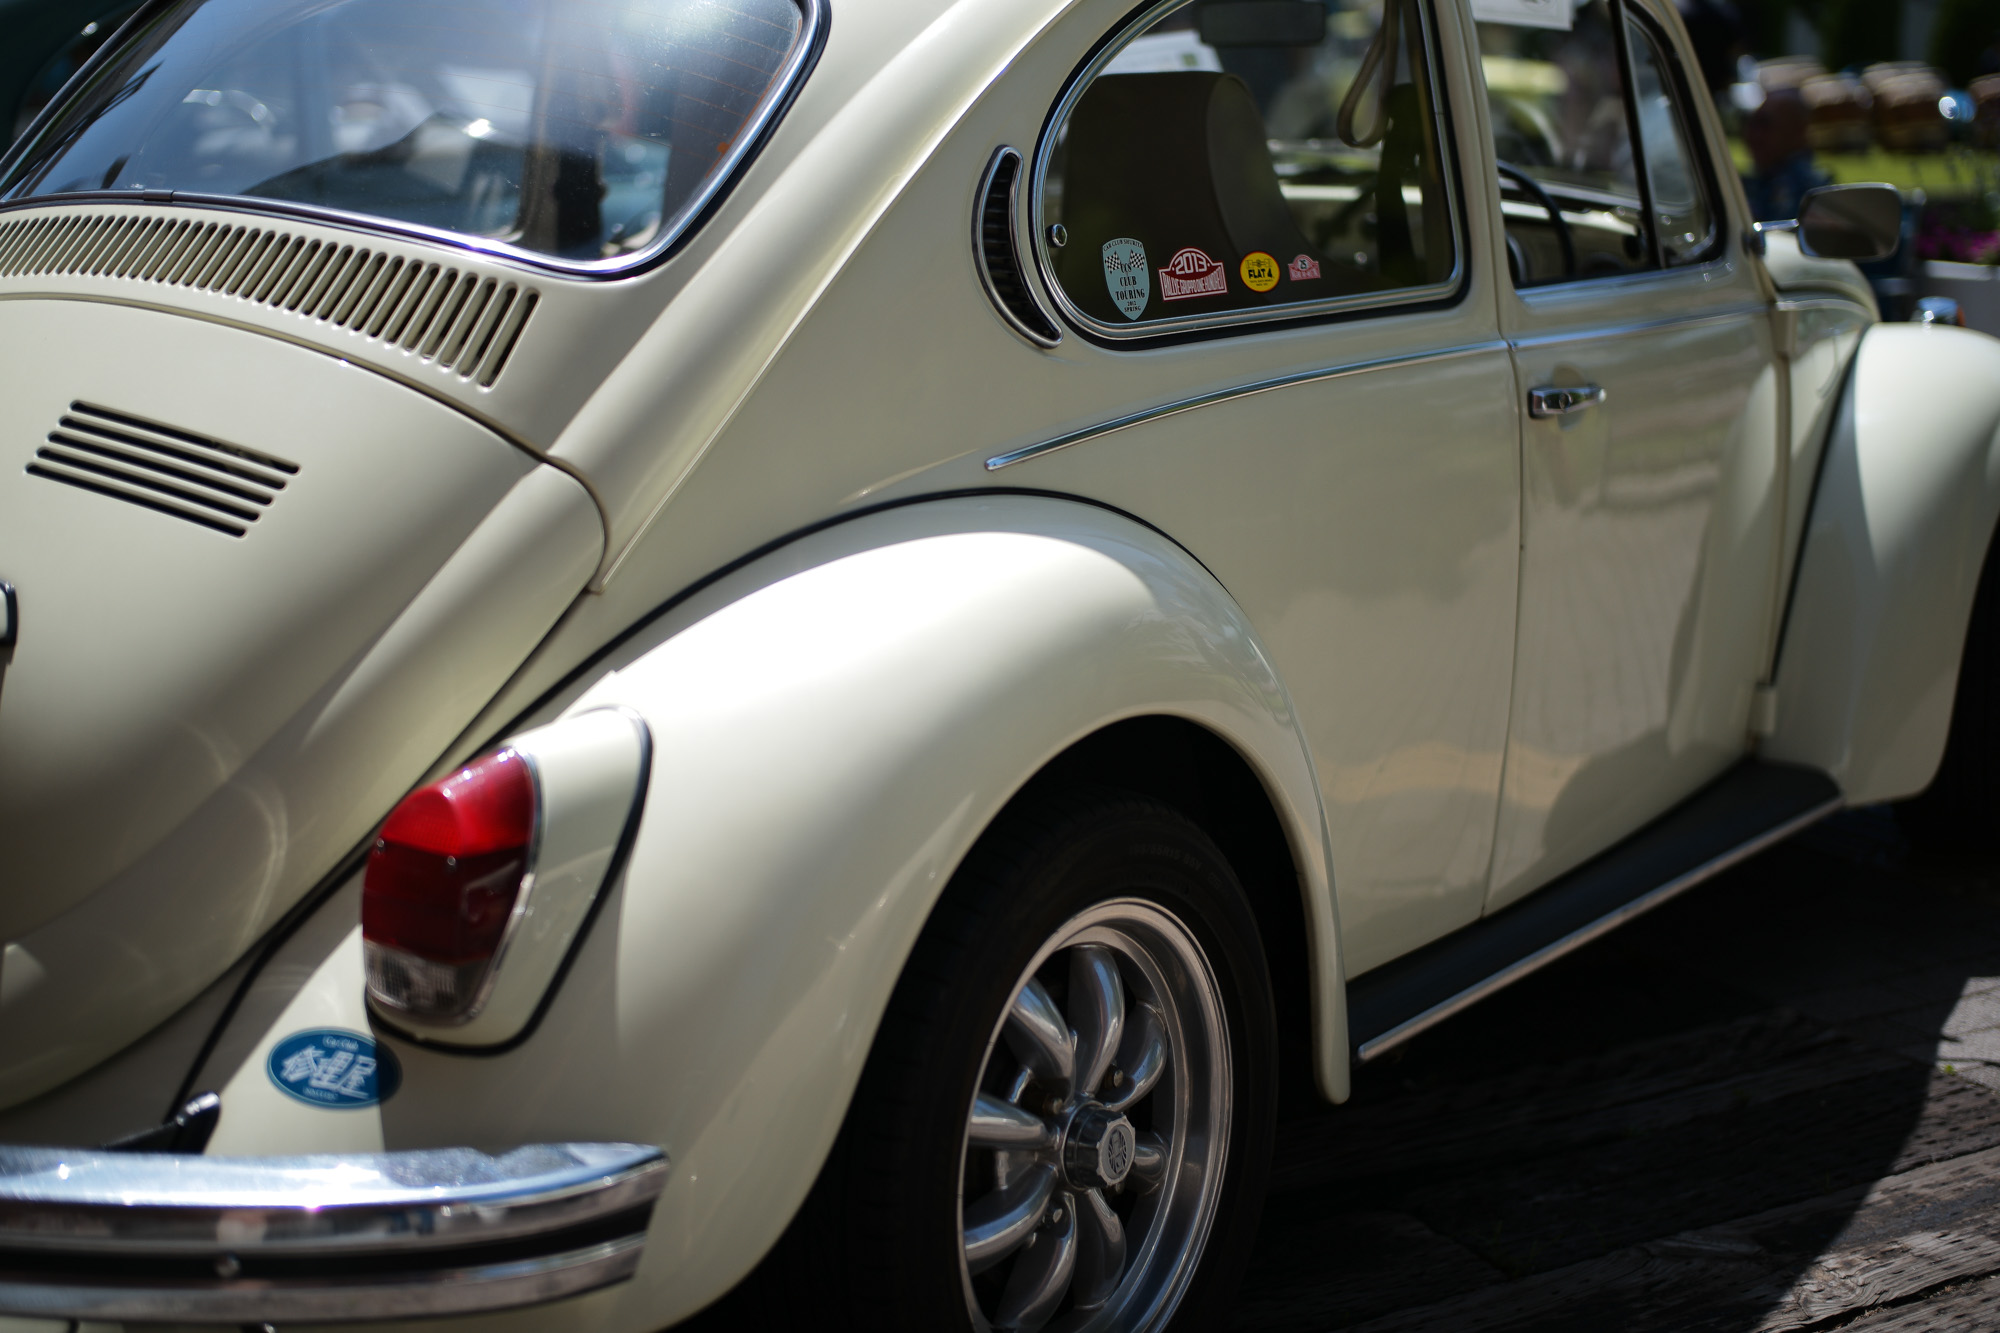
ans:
x=335 y=1068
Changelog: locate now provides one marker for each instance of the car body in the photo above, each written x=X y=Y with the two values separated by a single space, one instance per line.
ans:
x=1470 y=607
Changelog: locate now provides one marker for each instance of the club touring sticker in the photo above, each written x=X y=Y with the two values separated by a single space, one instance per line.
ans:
x=1303 y=269
x=1259 y=271
x=1191 y=273
x=1125 y=273
x=334 y=1068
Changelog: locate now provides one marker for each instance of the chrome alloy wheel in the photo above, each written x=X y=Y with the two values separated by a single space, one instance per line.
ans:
x=1094 y=1145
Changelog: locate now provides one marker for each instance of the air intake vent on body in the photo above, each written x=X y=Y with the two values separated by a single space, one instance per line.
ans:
x=460 y=321
x=221 y=486
x=993 y=243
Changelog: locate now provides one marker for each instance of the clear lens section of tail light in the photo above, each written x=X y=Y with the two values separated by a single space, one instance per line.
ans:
x=441 y=886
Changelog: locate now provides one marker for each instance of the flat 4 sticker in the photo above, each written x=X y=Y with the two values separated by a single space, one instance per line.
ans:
x=1259 y=271
x=1191 y=273
x=1125 y=273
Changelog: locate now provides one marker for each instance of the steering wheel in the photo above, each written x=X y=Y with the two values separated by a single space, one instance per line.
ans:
x=1564 y=240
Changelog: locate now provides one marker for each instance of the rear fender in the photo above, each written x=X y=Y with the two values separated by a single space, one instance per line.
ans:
x=1901 y=520
x=833 y=726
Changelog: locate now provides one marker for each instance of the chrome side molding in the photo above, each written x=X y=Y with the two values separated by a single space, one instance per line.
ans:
x=88 y=1234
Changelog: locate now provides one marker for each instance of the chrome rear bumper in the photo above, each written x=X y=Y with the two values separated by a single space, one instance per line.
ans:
x=172 y=1236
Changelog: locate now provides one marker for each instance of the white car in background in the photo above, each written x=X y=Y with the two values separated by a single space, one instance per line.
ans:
x=653 y=639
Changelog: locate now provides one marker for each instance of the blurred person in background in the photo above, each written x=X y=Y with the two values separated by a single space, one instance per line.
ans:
x=1775 y=133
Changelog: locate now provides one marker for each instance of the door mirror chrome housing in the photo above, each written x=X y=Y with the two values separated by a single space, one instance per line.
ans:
x=1858 y=222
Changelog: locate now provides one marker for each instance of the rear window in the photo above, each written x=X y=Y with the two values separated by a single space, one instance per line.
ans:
x=583 y=132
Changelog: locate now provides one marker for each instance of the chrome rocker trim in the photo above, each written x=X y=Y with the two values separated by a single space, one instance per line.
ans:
x=88 y=1234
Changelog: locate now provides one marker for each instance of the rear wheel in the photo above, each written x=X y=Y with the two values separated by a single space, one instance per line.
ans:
x=1066 y=1115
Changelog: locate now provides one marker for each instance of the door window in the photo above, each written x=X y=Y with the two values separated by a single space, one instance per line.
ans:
x=1599 y=172
x=1236 y=160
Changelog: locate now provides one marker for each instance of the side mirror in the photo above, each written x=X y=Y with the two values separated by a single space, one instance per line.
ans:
x=1859 y=222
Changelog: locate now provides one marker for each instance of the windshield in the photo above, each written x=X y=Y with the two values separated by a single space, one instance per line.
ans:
x=586 y=130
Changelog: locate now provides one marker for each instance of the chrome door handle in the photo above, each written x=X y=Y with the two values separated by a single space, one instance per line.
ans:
x=1562 y=402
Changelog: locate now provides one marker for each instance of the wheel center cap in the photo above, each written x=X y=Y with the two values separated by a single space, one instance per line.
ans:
x=1098 y=1147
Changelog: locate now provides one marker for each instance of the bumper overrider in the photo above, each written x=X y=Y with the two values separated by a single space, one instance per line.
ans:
x=91 y=1234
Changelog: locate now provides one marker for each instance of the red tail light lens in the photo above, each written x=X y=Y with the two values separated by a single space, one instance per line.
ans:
x=441 y=885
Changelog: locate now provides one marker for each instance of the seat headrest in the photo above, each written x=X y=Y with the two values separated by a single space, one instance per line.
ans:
x=1172 y=161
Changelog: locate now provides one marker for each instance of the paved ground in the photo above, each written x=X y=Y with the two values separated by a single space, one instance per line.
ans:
x=1773 y=1104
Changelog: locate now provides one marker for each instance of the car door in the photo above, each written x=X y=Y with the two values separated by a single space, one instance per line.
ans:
x=1250 y=219
x=1642 y=350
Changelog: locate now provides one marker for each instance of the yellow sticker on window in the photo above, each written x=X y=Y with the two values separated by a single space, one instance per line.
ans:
x=1260 y=271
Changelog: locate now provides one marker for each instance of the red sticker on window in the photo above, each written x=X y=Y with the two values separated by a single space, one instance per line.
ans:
x=1191 y=273
x=1303 y=268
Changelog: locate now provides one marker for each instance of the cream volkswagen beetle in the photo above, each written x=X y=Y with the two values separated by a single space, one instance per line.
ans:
x=655 y=640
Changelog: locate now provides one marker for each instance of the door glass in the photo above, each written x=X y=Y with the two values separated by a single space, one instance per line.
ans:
x=1562 y=133
x=1235 y=159
x=1680 y=206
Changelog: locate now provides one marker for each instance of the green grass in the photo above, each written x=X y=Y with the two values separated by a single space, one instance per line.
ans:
x=1955 y=173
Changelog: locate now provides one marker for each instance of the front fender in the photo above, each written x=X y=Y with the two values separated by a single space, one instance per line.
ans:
x=833 y=726
x=1901 y=520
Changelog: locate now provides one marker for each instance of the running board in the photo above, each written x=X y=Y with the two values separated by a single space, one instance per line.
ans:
x=1749 y=808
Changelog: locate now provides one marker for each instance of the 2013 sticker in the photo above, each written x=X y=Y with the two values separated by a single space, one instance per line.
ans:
x=1191 y=273
x=1259 y=271
x=331 y=1067
x=1126 y=274
x=1303 y=269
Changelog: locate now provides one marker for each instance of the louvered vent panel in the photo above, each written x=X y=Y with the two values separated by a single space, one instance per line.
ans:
x=224 y=487
x=999 y=257
x=460 y=321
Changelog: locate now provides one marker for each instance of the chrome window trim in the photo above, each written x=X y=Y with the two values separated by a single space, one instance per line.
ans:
x=1450 y=286
x=1140 y=418
x=777 y=99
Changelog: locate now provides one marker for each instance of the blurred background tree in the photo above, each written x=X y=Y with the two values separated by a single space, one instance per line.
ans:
x=1765 y=24
x=1965 y=43
x=1860 y=32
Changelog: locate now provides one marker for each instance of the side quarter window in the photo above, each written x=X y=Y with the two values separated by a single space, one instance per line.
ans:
x=1684 y=218
x=1236 y=160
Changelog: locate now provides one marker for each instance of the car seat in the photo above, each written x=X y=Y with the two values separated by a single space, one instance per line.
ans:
x=1172 y=161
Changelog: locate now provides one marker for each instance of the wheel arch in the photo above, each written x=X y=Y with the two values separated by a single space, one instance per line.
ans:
x=835 y=724
x=1903 y=515
x=1200 y=773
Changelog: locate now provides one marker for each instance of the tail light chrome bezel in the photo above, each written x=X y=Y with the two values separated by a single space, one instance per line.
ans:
x=589 y=774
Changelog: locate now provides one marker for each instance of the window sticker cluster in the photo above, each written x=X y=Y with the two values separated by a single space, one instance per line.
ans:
x=1190 y=273
x=334 y=1068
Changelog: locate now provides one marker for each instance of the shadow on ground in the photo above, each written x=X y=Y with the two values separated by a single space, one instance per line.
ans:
x=1770 y=1105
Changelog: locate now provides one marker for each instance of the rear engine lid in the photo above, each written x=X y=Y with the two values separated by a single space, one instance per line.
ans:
x=216 y=541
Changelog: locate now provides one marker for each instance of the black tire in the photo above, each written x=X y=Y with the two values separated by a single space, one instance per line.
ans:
x=878 y=1244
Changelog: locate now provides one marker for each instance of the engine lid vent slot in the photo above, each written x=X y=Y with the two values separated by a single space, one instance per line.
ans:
x=997 y=249
x=447 y=317
x=223 y=487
